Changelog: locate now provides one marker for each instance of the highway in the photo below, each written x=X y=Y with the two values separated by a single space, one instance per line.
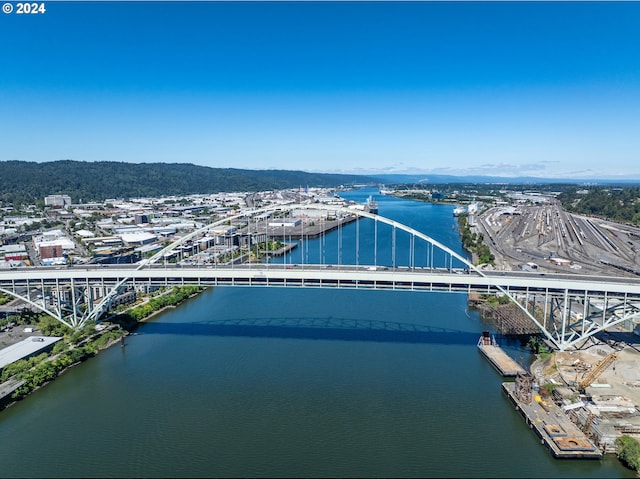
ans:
x=325 y=276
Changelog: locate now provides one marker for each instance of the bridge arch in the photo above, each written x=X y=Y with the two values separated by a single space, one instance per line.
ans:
x=104 y=305
x=471 y=268
x=312 y=206
x=563 y=334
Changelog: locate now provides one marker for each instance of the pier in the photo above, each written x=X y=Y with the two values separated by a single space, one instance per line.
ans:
x=307 y=231
x=556 y=431
x=502 y=362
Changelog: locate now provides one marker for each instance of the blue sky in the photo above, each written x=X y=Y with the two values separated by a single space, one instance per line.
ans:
x=544 y=89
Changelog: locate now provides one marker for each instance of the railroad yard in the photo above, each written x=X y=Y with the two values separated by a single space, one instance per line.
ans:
x=547 y=238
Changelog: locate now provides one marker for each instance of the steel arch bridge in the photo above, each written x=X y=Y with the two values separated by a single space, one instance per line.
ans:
x=566 y=308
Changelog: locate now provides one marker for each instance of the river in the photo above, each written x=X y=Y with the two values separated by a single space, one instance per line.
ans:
x=266 y=382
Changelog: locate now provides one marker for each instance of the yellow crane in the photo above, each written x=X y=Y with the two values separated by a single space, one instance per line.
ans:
x=597 y=370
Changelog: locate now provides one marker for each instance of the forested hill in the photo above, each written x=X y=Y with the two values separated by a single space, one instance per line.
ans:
x=27 y=182
x=620 y=204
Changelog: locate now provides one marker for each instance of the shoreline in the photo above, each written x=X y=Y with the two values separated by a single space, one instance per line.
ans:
x=11 y=401
x=119 y=339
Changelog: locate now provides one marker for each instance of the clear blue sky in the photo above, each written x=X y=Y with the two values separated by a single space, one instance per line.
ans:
x=543 y=89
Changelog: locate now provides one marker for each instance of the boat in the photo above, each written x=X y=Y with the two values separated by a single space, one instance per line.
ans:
x=371 y=206
x=459 y=211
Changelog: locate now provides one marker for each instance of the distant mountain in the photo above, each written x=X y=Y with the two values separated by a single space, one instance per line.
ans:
x=442 y=179
x=26 y=182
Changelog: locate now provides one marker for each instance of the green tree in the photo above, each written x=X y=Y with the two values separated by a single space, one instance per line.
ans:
x=51 y=327
x=628 y=451
x=4 y=298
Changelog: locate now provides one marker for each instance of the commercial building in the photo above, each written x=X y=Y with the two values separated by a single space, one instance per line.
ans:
x=138 y=238
x=50 y=250
x=13 y=252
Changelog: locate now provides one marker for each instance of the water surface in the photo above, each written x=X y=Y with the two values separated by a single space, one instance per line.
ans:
x=271 y=382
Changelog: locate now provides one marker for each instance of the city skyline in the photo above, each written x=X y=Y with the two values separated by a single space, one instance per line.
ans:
x=460 y=88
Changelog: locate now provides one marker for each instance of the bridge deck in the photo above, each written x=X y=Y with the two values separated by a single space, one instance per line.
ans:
x=604 y=301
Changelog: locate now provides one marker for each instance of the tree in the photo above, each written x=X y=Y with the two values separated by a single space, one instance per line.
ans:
x=51 y=327
x=628 y=451
x=4 y=298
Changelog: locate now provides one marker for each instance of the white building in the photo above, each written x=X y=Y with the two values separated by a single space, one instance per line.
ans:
x=138 y=238
x=286 y=222
x=53 y=238
x=57 y=200
x=314 y=213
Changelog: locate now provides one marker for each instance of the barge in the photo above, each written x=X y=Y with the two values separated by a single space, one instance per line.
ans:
x=502 y=362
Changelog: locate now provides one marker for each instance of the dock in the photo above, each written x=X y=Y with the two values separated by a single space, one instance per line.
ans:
x=502 y=362
x=302 y=231
x=555 y=430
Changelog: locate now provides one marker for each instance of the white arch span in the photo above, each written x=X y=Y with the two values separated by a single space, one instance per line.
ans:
x=562 y=341
x=104 y=305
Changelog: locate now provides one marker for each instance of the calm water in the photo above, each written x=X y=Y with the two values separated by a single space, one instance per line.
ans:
x=258 y=382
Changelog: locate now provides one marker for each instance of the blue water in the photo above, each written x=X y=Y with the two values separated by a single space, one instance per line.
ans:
x=358 y=238
x=271 y=382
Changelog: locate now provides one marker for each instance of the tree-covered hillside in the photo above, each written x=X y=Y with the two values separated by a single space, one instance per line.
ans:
x=27 y=182
x=619 y=204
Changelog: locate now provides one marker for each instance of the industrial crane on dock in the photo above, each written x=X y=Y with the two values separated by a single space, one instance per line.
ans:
x=597 y=370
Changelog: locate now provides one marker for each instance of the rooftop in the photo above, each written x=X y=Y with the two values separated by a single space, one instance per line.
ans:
x=25 y=348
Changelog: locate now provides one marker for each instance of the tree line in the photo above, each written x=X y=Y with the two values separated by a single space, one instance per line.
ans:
x=474 y=242
x=29 y=182
x=620 y=204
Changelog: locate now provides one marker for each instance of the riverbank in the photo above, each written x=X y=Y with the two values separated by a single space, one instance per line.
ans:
x=31 y=374
x=130 y=318
x=28 y=375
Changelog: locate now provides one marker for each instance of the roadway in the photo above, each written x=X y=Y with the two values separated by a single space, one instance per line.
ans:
x=617 y=299
x=362 y=276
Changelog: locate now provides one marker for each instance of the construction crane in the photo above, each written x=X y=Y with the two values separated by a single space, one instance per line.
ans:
x=597 y=370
